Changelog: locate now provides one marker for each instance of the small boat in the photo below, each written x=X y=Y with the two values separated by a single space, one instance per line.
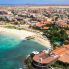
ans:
x=30 y=37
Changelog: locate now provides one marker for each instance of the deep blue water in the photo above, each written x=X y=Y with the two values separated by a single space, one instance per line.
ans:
x=13 y=51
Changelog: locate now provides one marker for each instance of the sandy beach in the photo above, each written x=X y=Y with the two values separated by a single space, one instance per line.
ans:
x=44 y=41
x=22 y=34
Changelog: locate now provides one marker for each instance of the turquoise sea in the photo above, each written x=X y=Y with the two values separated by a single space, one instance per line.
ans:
x=13 y=51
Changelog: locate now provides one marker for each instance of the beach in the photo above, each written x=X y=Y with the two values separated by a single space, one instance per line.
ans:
x=44 y=41
x=22 y=34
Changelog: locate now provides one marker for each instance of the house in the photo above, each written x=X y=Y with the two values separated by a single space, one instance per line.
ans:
x=43 y=60
x=63 y=52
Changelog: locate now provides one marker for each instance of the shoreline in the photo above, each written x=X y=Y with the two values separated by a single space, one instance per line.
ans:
x=42 y=40
x=22 y=34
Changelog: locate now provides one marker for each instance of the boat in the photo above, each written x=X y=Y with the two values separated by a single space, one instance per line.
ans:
x=30 y=37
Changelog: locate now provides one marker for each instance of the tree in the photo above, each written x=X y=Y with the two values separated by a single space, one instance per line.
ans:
x=57 y=34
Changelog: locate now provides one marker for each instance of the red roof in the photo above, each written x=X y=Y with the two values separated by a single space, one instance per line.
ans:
x=39 y=24
x=61 y=54
x=45 y=28
x=43 y=58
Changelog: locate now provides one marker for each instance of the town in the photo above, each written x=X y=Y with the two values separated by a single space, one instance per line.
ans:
x=51 y=22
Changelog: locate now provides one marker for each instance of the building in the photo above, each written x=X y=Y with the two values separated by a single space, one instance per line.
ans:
x=44 y=60
x=63 y=52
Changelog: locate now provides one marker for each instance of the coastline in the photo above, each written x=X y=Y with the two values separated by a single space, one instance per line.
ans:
x=42 y=40
x=22 y=34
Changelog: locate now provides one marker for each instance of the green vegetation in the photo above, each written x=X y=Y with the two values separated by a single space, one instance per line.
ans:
x=60 y=65
x=56 y=34
x=46 y=14
x=66 y=28
x=66 y=42
x=13 y=27
x=28 y=61
x=36 y=28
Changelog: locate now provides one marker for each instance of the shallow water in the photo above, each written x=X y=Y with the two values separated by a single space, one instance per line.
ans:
x=13 y=51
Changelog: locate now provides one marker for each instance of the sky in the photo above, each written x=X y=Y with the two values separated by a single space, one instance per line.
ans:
x=34 y=2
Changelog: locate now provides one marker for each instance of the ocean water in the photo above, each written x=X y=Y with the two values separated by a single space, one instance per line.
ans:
x=13 y=51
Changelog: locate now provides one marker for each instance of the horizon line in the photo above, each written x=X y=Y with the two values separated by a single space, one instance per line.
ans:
x=35 y=4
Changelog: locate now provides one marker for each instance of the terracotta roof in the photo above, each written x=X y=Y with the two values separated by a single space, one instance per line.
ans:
x=58 y=51
x=62 y=23
x=43 y=58
x=63 y=52
x=45 y=28
x=67 y=46
x=39 y=24
x=64 y=58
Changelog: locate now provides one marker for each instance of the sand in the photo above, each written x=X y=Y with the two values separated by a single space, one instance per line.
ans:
x=22 y=34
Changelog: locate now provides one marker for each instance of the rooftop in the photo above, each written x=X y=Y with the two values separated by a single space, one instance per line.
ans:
x=43 y=58
x=61 y=54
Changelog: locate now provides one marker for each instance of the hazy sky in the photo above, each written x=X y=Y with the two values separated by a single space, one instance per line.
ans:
x=34 y=1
